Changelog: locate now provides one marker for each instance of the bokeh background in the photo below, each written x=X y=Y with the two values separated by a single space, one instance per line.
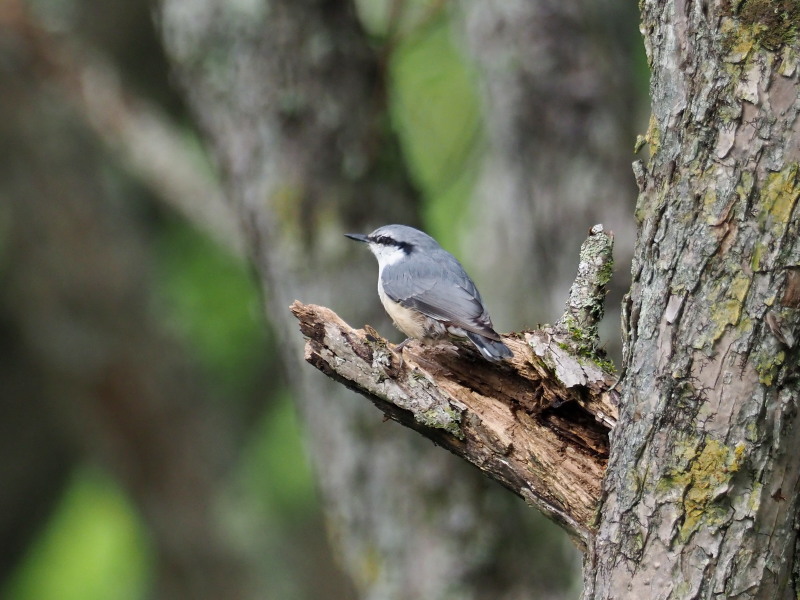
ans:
x=154 y=439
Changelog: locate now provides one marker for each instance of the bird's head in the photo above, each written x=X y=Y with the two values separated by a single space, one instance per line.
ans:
x=392 y=243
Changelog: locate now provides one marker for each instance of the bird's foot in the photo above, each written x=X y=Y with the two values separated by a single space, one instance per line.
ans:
x=398 y=349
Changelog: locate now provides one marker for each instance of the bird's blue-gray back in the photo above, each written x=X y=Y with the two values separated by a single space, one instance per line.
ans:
x=457 y=301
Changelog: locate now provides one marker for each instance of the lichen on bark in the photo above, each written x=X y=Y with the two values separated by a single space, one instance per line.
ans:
x=704 y=438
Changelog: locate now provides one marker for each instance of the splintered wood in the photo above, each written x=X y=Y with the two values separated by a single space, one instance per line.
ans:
x=538 y=423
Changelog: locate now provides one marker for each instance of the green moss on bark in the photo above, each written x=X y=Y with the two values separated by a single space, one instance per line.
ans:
x=776 y=201
x=766 y=363
x=725 y=300
x=703 y=483
x=779 y=195
x=447 y=419
x=774 y=23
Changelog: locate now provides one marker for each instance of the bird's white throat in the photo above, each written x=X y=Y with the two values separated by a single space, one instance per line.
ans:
x=387 y=255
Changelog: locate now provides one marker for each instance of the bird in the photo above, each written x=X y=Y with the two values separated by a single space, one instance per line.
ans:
x=427 y=292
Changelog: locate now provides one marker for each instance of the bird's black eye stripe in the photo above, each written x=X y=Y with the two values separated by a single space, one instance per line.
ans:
x=387 y=241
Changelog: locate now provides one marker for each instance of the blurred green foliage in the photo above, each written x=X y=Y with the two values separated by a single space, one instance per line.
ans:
x=94 y=548
x=94 y=545
x=211 y=301
x=274 y=469
x=436 y=113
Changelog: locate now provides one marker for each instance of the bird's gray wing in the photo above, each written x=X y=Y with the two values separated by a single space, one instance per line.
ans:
x=439 y=289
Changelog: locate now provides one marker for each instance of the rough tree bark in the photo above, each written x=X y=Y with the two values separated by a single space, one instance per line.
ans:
x=702 y=487
x=701 y=494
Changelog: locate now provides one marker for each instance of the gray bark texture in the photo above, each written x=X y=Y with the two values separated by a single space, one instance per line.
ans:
x=701 y=493
x=275 y=86
x=507 y=421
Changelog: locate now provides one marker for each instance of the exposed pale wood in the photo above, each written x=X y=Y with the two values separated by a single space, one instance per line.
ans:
x=517 y=422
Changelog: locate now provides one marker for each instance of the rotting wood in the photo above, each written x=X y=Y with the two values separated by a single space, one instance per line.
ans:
x=518 y=422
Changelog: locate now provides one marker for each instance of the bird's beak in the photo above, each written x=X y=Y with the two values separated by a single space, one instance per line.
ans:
x=359 y=237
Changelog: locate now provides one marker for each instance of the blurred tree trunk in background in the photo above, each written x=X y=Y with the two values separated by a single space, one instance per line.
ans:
x=558 y=89
x=90 y=372
x=558 y=84
x=292 y=100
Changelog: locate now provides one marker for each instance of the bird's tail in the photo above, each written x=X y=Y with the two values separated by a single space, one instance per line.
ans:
x=491 y=350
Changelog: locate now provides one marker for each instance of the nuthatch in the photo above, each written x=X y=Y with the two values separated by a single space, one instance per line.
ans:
x=426 y=291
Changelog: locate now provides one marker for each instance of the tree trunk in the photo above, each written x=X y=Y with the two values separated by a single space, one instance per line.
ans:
x=701 y=493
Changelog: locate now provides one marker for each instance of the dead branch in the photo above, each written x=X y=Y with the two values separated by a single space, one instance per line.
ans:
x=538 y=424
